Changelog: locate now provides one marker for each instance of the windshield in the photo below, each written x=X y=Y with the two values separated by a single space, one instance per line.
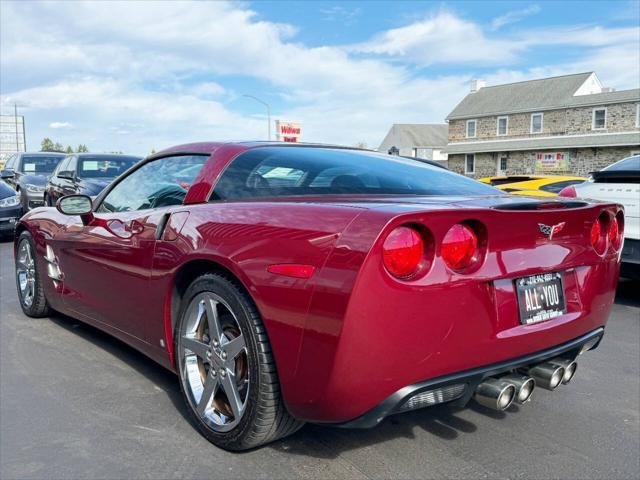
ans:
x=39 y=164
x=104 y=167
x=294 y=171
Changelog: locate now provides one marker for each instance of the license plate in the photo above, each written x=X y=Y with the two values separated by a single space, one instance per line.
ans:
x=540 y=297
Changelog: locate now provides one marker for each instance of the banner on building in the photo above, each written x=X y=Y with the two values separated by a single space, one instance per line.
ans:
x=551 y=161
x=288 y=131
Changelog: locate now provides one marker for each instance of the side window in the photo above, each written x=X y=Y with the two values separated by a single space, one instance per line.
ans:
x=62 y=166
x=73 y=163
x=13 y=162
x=159 y=183
x=10 y=162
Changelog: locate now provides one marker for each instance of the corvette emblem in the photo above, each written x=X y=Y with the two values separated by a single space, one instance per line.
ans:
x=551 y=230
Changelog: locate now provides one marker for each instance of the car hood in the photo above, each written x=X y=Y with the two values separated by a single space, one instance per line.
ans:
x=93 y=186
x=34 y=179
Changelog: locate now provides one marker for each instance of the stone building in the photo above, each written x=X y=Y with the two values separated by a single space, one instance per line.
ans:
x=559 y=125
x=422 y=141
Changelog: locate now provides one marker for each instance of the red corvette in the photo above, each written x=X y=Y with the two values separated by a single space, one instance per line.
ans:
x=302 y=283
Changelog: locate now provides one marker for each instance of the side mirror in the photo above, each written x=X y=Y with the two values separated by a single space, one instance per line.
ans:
x=5 y=174
x=67 y=174
x=76 y=205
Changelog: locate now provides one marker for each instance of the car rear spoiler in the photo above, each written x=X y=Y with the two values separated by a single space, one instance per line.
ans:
x=616 y=176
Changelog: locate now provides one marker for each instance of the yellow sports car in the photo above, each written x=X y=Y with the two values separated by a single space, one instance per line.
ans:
x=535 y=185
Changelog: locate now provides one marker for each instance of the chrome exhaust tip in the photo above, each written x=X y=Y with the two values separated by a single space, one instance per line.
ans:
x=570 y=367
x=547 y=375
x=495 y=393
x=524 y=386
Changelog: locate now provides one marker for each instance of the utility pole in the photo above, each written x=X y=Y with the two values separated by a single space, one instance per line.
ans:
x=268 y=113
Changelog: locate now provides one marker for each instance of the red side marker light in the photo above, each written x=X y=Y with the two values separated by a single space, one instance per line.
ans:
x=292 y=270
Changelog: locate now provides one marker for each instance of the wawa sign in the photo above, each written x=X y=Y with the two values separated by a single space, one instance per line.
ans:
x=288 y=131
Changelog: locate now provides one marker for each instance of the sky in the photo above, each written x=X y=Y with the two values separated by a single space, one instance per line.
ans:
x=142 y=76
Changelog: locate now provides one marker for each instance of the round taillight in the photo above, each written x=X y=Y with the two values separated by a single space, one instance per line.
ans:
x=599 y=236
x=459 y=247
x=616 y=231
x=402 y=252
x=569 y=192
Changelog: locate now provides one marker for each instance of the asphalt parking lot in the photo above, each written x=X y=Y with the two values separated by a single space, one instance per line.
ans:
x=75 y=403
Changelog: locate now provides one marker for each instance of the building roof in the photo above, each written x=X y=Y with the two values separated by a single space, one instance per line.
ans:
x=410 y=135
x=545 y=143
x=536 y=95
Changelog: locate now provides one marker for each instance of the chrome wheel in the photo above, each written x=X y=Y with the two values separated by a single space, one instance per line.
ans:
x=26 y=273
x=213 y=362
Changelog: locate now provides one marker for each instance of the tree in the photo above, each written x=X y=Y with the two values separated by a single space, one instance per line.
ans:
x=153 y=151
x=69 y=149
x=47 y=145
x=82 y=148
x=361 y=145
x=58 y=147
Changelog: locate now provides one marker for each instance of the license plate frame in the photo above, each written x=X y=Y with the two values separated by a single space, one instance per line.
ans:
x=540 y=297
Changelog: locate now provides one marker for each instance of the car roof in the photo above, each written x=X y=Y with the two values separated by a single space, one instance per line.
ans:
x=200 y=148
x=105 y=155
x=43 y=154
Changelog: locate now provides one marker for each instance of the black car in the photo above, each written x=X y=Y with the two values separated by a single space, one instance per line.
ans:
x=27 y=173
x=10 y=209
x=85 y=173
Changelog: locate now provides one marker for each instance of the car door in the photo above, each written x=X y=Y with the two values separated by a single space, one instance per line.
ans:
x=107 y=263
x=53 y=185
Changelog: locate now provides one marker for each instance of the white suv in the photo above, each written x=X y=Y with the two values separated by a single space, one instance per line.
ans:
x=619 y=182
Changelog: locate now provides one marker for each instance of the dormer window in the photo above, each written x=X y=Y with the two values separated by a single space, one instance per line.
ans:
x=599 y=119
x=503 y=126
x=471 y=128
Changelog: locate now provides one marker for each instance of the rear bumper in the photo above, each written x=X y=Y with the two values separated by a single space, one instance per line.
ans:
x=468 y=380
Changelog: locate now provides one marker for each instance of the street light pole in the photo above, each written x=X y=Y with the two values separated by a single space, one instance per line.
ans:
x=268 y=113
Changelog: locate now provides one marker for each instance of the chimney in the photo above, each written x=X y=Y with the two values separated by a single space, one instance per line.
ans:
x=477 y=84
x=608 y=89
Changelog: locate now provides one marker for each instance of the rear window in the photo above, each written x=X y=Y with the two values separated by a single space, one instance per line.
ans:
x=297 y=171
x=628 y=164
x=104 y=167
x=35 y=164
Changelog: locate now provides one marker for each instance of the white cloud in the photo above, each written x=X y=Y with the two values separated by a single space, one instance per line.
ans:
x=442 y=38
x=514 y=16
x=57 y=125
x=133 y=76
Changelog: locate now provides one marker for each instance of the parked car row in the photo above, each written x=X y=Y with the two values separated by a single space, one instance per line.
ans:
x=33 y=180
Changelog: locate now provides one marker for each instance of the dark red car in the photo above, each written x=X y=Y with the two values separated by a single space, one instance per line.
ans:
x=302 y=283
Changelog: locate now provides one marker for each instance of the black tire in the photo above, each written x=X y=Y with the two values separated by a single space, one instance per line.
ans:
x=265 y=418
x=38 y=306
